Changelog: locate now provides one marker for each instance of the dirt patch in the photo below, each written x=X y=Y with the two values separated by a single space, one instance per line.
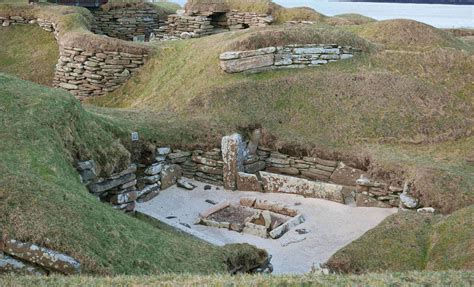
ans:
x=233 y=214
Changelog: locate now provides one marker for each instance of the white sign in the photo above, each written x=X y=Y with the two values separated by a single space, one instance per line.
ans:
x=134 y=136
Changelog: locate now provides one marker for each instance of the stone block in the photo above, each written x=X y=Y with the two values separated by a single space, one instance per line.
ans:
x=256 y=230
x=247 y=201
x=246 y=64
x=248 y=182
x=233 y=158
x=255 y=167
x=288 y=184
x=41 y=256
x=214 y=209
x=100 y=187
x=363 y=200
x=285 y=227
x=169 y=175
x=284 y=170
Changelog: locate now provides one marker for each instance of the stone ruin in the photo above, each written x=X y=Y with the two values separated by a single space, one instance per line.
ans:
x=204 y=19
x=261 y=218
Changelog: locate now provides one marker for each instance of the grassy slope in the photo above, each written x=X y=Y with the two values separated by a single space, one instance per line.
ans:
x=411 y=241
x=43 y=201
x=385 y=279
x=31 y=53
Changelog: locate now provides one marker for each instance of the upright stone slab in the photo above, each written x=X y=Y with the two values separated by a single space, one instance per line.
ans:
x=232 y=155
x=287 y=184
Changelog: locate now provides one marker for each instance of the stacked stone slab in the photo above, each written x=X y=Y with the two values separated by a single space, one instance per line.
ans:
x=126 y=22
x=289 y=56
x=378 y=194
x=87 y=73
x=242 y=20
x=94 y=73
x=209 y=166
x=119 y=189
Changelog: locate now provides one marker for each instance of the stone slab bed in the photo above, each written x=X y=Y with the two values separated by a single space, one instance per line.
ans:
x=289 y=56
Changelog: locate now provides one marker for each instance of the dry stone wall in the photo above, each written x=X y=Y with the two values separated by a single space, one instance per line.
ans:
x=87 y=72
x=94 y=73
x=126 y=22
x=241 y=20
x=183 y=26
x=289 y=56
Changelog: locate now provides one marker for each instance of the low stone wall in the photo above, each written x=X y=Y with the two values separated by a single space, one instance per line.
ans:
x=181 y=26
x=126 y=22
x=94 y=73
x=91 y=71
x=290 y=56
x=242 y=20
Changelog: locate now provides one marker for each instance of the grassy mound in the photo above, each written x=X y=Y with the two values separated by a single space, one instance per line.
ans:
x=450 y=278
x=406 y=33
x=411 y=241
x=43 y=132
x=349 y=19
x=29 y=53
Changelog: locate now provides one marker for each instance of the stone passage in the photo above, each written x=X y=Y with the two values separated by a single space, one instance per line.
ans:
x=290 y=56
x=138 y=20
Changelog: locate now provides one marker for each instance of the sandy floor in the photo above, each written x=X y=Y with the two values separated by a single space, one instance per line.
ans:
x=331 y=225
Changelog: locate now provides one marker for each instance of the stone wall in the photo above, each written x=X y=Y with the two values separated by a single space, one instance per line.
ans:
x=183 y=26
x=242 y=20
x=87 y=70
x=89 y=73
x=289 y=56
x=236 y=165
x=126 y=22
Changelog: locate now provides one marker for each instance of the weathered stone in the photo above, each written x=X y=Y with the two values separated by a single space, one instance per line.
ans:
x=282 y=229
x=163 y=151
x=426 y=210
x=123 y=198
x=214 y=209
x=283 y=170
x=169 y=175
x=245 y=64
x=316 y=174
x=363 y=200
x=67 y=86
x=209 y=169
x=346 y=175
x=408 y=201
x=232 y=155
x=256 y=230
x=248 y=182
x=206 y=161
x=151 y=179
x=148 y=192
x=247 y=201
x=287 y=184
x=85 y=165
x=11 y=265
x=320 y=161
x=154 y=169
x=109 y=184
x=185 y=184
x=255 y=167
x=41 y=256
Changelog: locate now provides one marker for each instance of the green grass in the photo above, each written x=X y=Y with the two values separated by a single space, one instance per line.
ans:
x=44 y=131
x=28 y=52
x=410 y=241
x=450 y=278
